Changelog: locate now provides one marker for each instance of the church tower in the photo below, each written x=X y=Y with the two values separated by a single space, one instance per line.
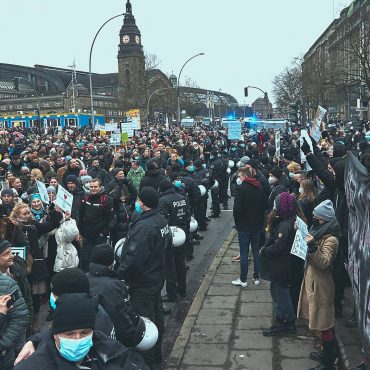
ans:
x=131 y=64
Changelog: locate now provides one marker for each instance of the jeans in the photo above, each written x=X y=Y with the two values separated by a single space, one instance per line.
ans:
x=282 y=302
x=245 y=239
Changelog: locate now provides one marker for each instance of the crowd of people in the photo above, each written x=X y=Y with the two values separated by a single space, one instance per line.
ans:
x=102 y=265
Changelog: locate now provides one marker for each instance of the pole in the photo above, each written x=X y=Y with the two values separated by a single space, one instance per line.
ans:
x=90 y=79
x=150 y=97
x=178 y=84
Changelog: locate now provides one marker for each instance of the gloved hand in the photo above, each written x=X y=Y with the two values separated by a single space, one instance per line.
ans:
x=312 y=248
x=305 y=147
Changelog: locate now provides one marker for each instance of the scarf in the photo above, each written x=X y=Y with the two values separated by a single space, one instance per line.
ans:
x=252 y=181
x=331 y=227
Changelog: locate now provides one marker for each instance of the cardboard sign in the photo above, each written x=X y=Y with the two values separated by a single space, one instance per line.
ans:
x=299 y=247
x=319 y=116
x=20 y=251
x=115 y=139
x=234 y=130
x=43 y=192
x=64 y=199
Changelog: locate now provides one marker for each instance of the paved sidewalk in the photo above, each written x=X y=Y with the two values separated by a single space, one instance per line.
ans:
x=223 y=328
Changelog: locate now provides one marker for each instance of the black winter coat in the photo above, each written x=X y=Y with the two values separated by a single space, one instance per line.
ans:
x=115 y=188
x=152 y=178
x=175 y=208
x=96 y=215
x=143 y=257
x=13 y=331
x=106 y=354
x=276 y=257
x=114 y=297
x=249 y=209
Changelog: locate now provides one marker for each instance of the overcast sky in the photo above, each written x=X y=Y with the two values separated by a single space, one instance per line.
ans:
x=246 y=42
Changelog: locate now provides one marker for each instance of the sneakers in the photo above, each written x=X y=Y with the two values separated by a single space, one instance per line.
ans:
x=257 y=281
x=238 y=282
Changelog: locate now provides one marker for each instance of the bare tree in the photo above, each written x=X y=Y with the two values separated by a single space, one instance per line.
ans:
x=287 y=86
x=151 y=61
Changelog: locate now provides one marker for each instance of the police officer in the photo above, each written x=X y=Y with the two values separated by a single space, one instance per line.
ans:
x=218 y=172
x=201 y=177
x=175 y=207
x=143 y=263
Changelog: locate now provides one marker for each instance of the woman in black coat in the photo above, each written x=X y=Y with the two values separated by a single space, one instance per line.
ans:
x=276 y=262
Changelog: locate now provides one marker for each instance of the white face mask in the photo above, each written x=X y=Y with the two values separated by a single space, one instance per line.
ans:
x=239 y=181
x=300 y=190
x=272 y=180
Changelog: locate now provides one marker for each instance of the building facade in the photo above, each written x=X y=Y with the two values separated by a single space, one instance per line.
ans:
x=45 y=90
x=336 y=69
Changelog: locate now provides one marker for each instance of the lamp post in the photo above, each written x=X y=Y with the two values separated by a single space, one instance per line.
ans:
x=150 y=97
x=37 y=95
x=90 y=79
x=178 y=84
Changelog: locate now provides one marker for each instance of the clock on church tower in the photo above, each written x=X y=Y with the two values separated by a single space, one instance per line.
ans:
x=131 y=64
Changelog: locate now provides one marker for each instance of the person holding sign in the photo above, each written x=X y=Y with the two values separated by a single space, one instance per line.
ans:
x=276 y=262
x=316 y=301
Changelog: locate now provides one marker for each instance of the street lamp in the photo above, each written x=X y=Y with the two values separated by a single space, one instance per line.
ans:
x=150 y=97
x=90 y=79
x=34 y=89
x=178 y=84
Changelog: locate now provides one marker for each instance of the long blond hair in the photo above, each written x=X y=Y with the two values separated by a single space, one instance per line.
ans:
x=14 y=215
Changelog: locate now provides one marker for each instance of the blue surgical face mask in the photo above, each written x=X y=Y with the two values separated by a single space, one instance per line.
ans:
x=211 y=157
x=138 y=208
x=291 y=174
x=191 y=168
x=52 y=301
x=178 y=183
x=204 y=166
x=75 y=350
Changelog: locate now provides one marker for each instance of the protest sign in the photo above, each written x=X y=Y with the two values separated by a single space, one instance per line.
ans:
x=124 y=137
x=304 y=134
x=20 y=252
x=115 y=139
x=299 y=247
x=234 y=130
x=64 y=199
x=42 y=191
x=319 y=116
x=277 y=144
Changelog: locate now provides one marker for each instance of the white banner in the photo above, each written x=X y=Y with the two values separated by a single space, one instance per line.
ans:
x=299 y=247
x=43 y=192
x=64 y=199
x=115 y=139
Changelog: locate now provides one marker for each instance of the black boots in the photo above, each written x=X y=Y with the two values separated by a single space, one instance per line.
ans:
x=326 y=357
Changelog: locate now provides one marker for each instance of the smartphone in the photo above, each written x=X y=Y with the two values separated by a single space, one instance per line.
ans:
x=13 y=297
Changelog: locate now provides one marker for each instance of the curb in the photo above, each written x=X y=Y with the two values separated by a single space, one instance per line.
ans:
x=178 y=349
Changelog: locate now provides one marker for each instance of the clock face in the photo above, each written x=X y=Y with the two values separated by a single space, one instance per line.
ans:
x=126 y=39
x=137 y=39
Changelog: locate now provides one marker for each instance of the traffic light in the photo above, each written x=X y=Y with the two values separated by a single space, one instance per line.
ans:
x=293 y=113
x=246 y=91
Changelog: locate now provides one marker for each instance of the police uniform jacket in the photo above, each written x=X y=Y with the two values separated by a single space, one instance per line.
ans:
x=143 y=256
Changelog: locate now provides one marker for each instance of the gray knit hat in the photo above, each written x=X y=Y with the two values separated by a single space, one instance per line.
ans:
x=244 y=160
x=325 y=211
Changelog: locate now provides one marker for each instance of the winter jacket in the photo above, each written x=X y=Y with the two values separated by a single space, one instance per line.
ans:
x=276 y=257
x=96 y=215
x=106 y=354
x=123 y=217
x=114 y=297
x=250 y=205
x=175 y=208
x=191 y=188
x=16 y=323
x=117 y=187
x=136 y=175
x=142 y=261
x=152 y=178
x=316 y=301
x=67 y=256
